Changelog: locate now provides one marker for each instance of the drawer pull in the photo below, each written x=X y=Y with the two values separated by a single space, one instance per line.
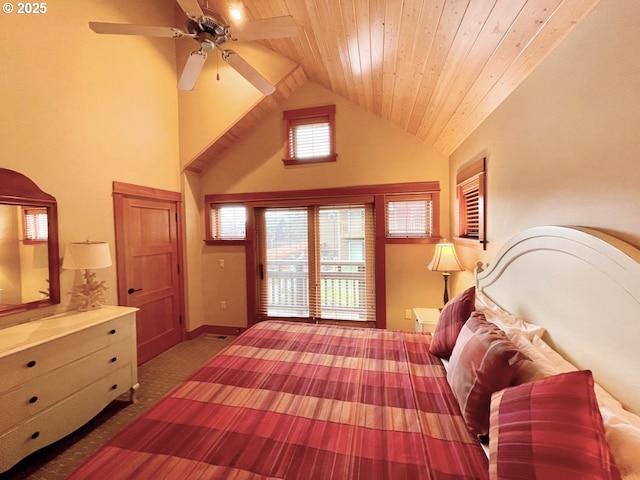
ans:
x=31 y=364
x=114 y=359
x=33 y=399
x=112 y=332
x=114 y=386
x=35 y=435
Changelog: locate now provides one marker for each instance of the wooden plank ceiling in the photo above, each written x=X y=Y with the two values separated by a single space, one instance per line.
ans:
x=435 y=68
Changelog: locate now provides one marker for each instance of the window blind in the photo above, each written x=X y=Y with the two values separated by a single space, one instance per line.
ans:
x=36 y=226
x=346 y=275
x=471 y=193
x=409 y=217
x=228 y=222
x=285 y=266
x=310 y=138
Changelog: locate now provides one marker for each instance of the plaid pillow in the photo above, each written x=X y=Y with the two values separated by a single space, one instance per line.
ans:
x=451 y=320
x=549 y=429
x=483 y=361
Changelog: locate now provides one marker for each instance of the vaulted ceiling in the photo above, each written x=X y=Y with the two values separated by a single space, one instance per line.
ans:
x=435 y=68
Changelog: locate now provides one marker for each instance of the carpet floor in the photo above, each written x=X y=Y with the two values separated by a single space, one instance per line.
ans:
x=156 y=378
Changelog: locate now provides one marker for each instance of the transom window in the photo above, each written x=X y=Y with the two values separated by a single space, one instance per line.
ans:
x=309 y=135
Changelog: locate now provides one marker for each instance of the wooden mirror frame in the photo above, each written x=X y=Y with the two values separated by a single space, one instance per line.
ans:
x=17 y=189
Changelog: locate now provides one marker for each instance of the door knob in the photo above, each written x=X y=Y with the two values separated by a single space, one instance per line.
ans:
x=133 y=290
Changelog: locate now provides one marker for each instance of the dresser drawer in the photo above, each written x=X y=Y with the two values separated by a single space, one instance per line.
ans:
x=40 y=393
x=36 y=361
x=62 y=418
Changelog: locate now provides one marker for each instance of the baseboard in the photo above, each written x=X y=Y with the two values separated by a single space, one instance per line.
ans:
x=215 y=330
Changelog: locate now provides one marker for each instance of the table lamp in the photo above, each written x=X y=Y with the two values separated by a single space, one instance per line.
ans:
x=446 y=261
x=87 y=256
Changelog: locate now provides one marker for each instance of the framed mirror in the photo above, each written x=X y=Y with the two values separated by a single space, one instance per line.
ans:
x=29 y=259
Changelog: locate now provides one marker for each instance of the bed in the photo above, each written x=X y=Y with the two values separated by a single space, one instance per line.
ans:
x=297 y=401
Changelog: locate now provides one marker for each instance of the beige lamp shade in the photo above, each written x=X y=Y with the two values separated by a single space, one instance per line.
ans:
x=86 y=256
x=445 y=259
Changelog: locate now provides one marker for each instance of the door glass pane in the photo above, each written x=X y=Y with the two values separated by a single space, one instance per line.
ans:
x=342 y=263
x=286 y=272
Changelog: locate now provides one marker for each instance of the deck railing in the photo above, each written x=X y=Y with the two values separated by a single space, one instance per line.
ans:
x=342 y=289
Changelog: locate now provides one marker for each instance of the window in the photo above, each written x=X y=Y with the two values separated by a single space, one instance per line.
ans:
x=227 y=222
x=309 y=254
x=36 y=228
x=409 y=216
x=309 y=135
x=317 y=262
x=470 y=192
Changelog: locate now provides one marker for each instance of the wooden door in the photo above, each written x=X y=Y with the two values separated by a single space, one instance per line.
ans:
x=149 y=260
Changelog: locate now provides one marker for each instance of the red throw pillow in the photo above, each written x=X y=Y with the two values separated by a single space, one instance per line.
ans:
x=451 y=320
x=483 y=361
x=549 y=429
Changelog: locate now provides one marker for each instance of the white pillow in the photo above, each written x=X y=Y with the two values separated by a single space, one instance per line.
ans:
x=509 y=324
x=622 y=427
x=539 y=367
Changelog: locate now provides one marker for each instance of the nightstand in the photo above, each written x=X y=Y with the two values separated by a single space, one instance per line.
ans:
x=426 y=319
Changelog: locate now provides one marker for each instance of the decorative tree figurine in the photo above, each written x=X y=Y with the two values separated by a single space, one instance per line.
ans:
x=90 y=294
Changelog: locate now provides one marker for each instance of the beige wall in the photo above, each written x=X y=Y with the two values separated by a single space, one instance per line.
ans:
x=80 y=110
x=370 y=151
x=221 y=95
x=564 y=147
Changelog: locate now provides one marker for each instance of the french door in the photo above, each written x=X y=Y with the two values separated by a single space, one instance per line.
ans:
x=317 y=262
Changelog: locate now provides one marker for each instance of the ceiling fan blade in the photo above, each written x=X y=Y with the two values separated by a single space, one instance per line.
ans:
x=191 y=8
x=123 y=29
x=192 y=70
x=248 y=72
x=274 y=27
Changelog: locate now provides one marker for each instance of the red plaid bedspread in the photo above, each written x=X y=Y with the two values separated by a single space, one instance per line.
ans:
x=298 y=401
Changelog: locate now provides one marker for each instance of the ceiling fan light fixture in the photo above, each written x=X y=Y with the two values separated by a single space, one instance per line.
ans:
x=207 y=45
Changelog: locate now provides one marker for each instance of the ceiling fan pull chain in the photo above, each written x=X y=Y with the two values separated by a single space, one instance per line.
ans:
x=217 y=67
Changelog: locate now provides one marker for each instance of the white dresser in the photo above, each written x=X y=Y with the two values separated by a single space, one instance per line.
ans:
x=59 y=372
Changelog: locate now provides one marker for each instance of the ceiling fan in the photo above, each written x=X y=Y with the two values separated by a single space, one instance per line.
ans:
x=210 y=33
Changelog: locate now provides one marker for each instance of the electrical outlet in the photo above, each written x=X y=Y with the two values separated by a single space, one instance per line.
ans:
x=407 y=314
x=221 y=263
x=223 y=304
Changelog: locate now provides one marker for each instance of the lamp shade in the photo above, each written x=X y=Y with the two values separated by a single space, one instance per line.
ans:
x=445 y=259
x=86 y=256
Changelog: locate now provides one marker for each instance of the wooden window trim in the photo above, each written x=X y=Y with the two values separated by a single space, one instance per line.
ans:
x=474 y=175
x=290 y=117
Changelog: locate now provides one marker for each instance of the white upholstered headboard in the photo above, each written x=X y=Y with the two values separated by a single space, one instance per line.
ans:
x=584 y=287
